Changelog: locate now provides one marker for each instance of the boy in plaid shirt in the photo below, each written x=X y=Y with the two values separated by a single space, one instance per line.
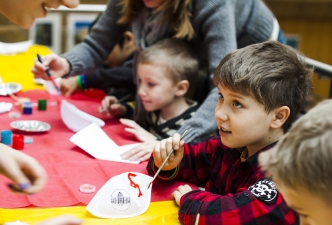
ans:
x=262 y=88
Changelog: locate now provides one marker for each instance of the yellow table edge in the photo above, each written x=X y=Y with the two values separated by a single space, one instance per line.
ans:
x=165 y=212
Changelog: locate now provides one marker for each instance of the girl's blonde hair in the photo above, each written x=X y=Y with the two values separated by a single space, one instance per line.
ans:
x=177 y=14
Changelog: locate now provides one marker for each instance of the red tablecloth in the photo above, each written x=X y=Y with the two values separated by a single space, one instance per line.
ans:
x=66 y=164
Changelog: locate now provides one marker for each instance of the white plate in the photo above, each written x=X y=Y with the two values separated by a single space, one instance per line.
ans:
x=9 y=88
x=30 y=125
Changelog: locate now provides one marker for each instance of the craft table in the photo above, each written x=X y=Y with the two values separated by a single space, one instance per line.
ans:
x=67 y=165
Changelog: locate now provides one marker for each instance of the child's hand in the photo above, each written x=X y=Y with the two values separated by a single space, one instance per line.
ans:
x=163 y=148
x=180 y=191
x=59 y=66
x=27 y=174
x=110 y=105
x=140 y=133
x=141 y=152
x=68 y=86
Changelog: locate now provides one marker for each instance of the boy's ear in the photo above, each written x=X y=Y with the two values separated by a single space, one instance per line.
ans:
x=182 y=88
x=281 y=114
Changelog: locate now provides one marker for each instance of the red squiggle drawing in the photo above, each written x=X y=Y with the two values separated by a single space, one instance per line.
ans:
x=133 y=184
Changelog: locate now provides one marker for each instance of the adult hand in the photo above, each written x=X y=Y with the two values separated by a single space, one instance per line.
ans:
x=58 y=66
x=180 y=191
x=69 y=85
x=140 y=133
x=27 y=174
x=62 y=220
x=164 y=147
x=141 y=152
x=110 y=105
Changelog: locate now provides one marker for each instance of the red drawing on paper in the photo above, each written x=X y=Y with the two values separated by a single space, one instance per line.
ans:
x=133 y=184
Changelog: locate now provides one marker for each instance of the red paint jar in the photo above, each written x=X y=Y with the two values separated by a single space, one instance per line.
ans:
x=18 y=142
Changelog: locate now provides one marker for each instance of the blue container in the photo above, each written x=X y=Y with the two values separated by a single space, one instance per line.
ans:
x=6 y=137
x=27 y=108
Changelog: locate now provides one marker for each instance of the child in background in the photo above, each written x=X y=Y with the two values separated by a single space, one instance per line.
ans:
x=164 y=71
x=261 y=88
x=115 y=77
x=300 y=165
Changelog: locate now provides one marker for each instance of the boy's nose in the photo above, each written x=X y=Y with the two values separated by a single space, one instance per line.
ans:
x=141 y=91
x=70 y=3
x=220 y=113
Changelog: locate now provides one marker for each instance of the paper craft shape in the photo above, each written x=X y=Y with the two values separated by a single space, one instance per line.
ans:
x=5 y=107
x=13 y=48
x=95 y=141
x=123 y=196
x=76 y=119
x=49 y=86
x=9 y=88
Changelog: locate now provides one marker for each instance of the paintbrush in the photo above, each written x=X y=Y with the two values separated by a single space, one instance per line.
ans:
x=166 y=159
x=117 y=102
x=197 y=219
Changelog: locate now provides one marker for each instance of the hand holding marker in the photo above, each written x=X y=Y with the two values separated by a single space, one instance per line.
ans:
x=48 y=73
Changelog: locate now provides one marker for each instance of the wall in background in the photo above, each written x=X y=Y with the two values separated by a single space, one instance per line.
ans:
x=311 y=21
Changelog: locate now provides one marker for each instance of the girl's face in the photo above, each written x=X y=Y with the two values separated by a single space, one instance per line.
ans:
x=152 y=3
x=24 y=12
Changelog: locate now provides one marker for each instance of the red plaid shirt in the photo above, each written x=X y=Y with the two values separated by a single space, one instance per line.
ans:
x=227 y=199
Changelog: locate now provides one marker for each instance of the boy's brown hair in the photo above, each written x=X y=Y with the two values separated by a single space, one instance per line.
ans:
x=272 y=73
x=175 y=55
x=303 y=157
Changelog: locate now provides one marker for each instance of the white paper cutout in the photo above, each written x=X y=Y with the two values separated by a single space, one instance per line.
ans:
x=49 y=86
x=123 y=196
x=5 y=107
x=13 y=48
x=95 y=141
x=76 y=119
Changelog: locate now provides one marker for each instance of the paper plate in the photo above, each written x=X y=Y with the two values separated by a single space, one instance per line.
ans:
x=30 y=125
x=9 y=88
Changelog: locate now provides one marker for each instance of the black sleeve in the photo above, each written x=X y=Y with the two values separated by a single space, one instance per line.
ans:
x=105 y=77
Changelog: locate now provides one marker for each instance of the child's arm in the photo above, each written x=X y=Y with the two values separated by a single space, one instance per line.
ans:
x=241 y=208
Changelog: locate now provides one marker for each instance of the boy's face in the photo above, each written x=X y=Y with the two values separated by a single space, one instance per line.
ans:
x=310 y=207
x=24 y=12
x=242 y=120
x=156 y=89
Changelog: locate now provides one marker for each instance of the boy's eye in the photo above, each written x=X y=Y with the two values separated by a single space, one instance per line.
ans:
x=221 y=97
x=151 y=84
x=237 y=104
